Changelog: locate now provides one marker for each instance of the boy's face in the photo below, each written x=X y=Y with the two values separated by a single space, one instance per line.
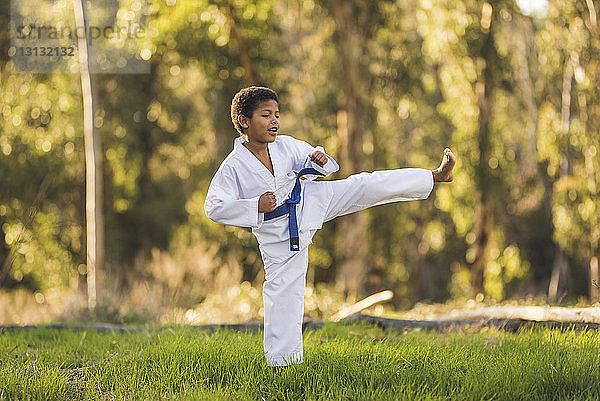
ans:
x=264 y=124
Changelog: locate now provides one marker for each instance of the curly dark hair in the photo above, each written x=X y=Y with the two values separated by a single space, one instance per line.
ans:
x=246 y=101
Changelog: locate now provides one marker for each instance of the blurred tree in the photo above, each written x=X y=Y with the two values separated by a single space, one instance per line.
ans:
x=41 y=201
x=472 y=45
x=355 y=25
x=245 y=58
x=405 y=242
x=569 y=48
x=484 y=89
x=94 y=200
x=5 y=250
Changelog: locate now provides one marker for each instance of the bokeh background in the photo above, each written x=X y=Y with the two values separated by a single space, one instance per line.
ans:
x=511 y=87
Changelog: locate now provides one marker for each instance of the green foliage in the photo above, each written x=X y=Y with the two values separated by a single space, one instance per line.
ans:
x=40 y=208
x=570 y=142
x=165 y=133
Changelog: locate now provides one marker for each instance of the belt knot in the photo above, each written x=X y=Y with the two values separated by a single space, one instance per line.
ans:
x=289 y=207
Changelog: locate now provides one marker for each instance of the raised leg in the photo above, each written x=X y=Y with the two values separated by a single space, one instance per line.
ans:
x=364 y=190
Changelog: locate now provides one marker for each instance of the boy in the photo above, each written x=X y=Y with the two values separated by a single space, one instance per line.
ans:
x=258 y=185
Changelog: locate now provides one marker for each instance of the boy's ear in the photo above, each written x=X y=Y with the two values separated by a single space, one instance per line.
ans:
x=243 y=120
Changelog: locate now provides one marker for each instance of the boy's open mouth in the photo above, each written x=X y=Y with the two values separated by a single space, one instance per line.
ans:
x=273 y=129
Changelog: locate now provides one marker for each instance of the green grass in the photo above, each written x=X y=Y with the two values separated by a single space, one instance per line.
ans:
x=354 y=362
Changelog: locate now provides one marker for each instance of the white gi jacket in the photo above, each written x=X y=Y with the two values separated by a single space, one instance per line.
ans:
x=241 y=179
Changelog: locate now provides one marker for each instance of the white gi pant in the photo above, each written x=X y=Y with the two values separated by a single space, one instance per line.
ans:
x=285 y=281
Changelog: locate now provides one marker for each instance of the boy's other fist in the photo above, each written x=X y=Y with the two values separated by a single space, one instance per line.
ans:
x=267 y=202
x=318 y=157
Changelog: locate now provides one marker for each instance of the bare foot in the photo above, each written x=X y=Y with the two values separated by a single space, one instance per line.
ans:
x=445 y=172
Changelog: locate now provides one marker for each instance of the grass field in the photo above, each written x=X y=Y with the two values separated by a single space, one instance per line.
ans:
x=345 y=362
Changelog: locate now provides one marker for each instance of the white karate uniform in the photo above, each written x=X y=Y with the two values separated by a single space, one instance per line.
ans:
x=232 y=199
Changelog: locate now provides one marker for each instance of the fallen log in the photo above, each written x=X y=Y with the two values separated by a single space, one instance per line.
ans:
x=537 y=313
x=512 y=325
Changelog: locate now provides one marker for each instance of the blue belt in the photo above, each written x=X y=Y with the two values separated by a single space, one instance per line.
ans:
x=289 y=207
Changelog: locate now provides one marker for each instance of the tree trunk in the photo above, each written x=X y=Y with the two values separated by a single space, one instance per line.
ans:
x=144 y=207
x=592 y=20
x=236 y=32
x=353 y=30
x=532 y=166
x=350 y=244
x=4 y=257
x=485 y=202
x=594 y=280
x=524 y=36
x=5 y=10
x=93 y=164
x=561 y=263
x=5 y=250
